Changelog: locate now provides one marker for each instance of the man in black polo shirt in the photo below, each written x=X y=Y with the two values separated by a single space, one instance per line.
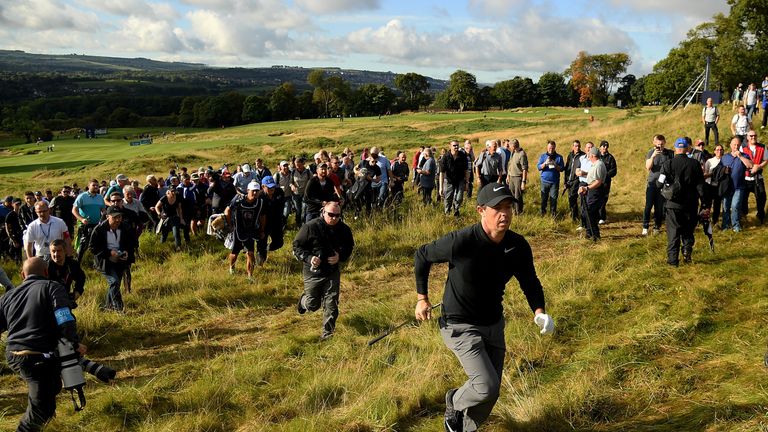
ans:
x=454 y=178
x=483 y=258
x=36 y=314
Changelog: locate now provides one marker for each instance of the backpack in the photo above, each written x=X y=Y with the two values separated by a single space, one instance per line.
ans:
x=671 y=190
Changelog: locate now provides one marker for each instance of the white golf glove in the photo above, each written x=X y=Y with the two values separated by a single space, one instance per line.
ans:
x=545 y=322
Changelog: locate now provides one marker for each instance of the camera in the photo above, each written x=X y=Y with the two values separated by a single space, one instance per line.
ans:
x=100 y=371
x=71 y=372
x=122 y=254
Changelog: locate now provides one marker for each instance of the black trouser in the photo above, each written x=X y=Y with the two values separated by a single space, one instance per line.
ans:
x=681 y=223
x=756 y=187
x=43 y=378
x=653 y=199
x=84 y=239
x=590 y=211
x=573 y=200
x=713 y=201
x=153 y=219
x=713 y=127
x=471 y=183
x=765 y=116
x=485 y=179
x=274 y=232
x=606 y=193
x=426 y=195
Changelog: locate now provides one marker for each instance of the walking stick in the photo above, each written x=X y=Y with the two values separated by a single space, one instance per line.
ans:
x=393 y=329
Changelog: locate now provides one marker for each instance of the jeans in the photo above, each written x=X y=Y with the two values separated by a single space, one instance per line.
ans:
x=114 y=273
x=298 y=205
x=173 y=225
x=711 y=126
x=732 y=210
x=549 y=193
x=43 y=378
x=751 y=111
x=653 y=199
x=380 y=191
x=453 y=196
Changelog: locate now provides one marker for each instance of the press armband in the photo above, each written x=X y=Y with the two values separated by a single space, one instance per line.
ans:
x=63 y=316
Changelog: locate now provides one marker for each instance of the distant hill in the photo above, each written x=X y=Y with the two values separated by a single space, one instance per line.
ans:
x=15 y=62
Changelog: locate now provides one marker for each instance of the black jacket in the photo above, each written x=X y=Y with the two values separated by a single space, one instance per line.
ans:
x=28 y=313
x=691 y=178
x=610 y=166
x=478 y=271
x=98 y=244
x=317 y=238
x=67 y=274
x=570 y=168
x=149 y=197
x=316 y=193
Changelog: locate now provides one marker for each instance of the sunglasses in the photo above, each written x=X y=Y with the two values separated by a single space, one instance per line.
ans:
x=116 y=200
x=333 y=215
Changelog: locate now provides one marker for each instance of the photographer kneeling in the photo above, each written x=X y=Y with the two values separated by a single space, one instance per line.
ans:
x=37 y=314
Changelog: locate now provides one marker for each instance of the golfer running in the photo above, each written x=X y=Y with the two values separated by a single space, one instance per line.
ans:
x=482 y=259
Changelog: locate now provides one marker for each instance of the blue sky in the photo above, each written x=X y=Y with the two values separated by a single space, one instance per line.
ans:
x=493 y=39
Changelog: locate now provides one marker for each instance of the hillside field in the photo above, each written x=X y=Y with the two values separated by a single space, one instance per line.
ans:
x=639 y=346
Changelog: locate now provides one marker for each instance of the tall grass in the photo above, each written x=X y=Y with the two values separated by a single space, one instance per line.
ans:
x=639 y=346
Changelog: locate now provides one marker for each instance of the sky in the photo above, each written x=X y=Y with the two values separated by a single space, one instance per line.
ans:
x=493 y=39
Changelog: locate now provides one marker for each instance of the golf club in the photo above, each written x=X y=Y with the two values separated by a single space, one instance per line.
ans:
x=393 y=329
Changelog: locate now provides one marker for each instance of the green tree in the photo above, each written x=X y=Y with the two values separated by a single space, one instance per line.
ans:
x=624 y=93
x=255 y=109
x=516 y=92
x=413 y=86
x=282 y=102
x=593 y=76
x=462 y=89
x=306 y=109
x=372 y=99
x=552 y=91
x=19 y=123
x=329 y=92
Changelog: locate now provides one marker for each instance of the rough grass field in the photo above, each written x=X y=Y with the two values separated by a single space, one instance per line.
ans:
x=638 y=346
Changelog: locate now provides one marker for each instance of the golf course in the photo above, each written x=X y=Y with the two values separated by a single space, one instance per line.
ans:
x=638 y=345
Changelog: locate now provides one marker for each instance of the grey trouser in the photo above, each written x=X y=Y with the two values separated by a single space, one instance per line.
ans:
x=516 y=187
x=480 y=350
x=453 y=196
x=323 y=291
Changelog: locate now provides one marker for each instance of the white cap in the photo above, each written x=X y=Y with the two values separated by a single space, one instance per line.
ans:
x=246 y=168
x=254 y=186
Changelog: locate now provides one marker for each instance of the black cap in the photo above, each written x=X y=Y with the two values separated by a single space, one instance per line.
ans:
x=494 y=193
x=114 y=211
x=8 y=199
x=604 y=143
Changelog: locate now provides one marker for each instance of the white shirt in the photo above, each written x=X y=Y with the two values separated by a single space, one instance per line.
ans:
x=742 y=124
x=113 y=239
x=709 y=165
x=42 y=234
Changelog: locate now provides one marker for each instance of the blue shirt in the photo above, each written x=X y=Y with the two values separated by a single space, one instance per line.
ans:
x=551 y=175
x=737 y=170
x=90 y=207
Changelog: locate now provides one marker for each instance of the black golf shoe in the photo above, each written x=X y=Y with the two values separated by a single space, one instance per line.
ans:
x=299 y=306
x=454 y=420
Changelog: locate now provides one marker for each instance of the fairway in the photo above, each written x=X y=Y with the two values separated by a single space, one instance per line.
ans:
x=638 y=346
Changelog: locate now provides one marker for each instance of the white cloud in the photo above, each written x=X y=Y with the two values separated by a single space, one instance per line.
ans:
x=48 y=14
x=146 y=35
x=698 y=10
x=494 y=8
x=335 y=6
x=536 y=49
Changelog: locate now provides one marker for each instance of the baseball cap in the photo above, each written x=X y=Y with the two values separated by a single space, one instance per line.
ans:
x=681 y=143
x=17 y=201
x=699 y=141
x=284 y=163
x=604 y=143
x=8 y=199
x=226 y=173
x=246 y=168
x=253 y=186
x=494 y=193
x=114 y=211
x=268 y=181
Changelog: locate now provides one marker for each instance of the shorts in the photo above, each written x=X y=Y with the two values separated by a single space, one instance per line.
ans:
x=247 y=244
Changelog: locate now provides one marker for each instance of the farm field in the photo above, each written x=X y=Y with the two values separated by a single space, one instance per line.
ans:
x=639 y=346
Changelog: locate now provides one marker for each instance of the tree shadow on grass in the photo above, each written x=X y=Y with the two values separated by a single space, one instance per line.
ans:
x=15 y=169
